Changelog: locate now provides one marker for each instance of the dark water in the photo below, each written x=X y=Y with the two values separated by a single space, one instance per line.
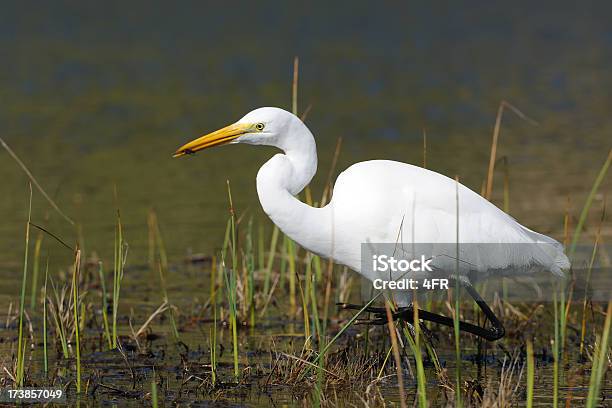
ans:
x=176 y=363
x=98 y=96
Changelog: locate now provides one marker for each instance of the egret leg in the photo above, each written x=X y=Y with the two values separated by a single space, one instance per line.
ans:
x=497 y=329
x=496 y=332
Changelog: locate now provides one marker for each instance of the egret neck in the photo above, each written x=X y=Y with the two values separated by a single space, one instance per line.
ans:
x=282 y=177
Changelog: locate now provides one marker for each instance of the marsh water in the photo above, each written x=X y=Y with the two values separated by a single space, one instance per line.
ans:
x=94 y=99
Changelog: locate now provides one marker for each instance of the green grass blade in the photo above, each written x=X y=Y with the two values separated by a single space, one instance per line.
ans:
x=530 y=374
x=587 y=205
x=59 y=325
x=105 y=306
x=75 y=300
x=271 y=256
x=45 y=355
x=154 y=401
x=21 y=343
x=458 y=401
x=600 y=360
x=35 y=268
x=556 y=350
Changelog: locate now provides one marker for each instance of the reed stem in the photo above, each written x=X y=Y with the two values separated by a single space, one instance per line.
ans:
x=75 y=305
x=21 y=343
x=530 y=374
x=45 y=355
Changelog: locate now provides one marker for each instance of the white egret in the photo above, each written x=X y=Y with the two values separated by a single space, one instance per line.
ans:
x=377 y=201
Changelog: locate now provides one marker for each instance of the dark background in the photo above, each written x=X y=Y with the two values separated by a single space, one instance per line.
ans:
x=94 y=96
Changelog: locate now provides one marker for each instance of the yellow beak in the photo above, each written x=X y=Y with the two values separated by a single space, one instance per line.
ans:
x=219 y=137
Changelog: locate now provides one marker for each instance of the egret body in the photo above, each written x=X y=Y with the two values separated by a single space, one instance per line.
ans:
x=373 y=201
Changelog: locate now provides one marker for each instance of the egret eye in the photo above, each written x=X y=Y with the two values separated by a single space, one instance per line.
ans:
x=260 y=126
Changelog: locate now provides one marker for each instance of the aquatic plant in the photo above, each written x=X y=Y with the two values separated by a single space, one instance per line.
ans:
x=21 y=342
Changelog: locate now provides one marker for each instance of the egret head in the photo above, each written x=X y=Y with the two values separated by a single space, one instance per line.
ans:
x=263 y=126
